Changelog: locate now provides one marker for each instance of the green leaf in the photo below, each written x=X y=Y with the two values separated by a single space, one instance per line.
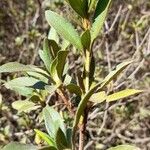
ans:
x=61 y=59
x=124 y=147
x=45 y=137
x=52 y=35
x=24 y=106
x=51 y=88
x=22 y=85
x=18 y=146
x=100 y=85
x=79 y=6
x=92 y=4
x=53 y=121
x=60 y=140
x=113 y=74
x=14 y=67
x=98 y=97
x=57 y=66
x=45 y=54
x=86 y=39
x=73 y=88
x=64 y=28
x=99 y=16
x=122 y=94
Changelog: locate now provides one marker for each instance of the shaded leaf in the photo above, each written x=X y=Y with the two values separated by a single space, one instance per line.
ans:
x=64 y=28
x=73 y=88
x=99 y=17
x=18 y=146
x=60 y=140
x=79 y=6
x=122 y=94
x=124 y=147
x=86 y=39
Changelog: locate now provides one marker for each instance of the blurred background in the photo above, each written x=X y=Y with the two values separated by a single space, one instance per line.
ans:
x=126 y=35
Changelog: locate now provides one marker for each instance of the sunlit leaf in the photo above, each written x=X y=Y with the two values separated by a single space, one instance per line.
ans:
x=124 y=147
x=14 y=67
x=98 y=97
x=18 y=146
x=64 y=28
x=53 y=121
x=24 y=106
x=45 y=137
x=52 y=35
x=122 y=94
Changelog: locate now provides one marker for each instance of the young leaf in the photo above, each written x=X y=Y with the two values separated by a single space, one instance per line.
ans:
x=99 y=17
x=52 y=35
x=24 y=106
x=45 y=137
x=122 y=94
x=64 y=28
x=98 y=97
x=79 y=6
x=124 y=147
x=18 y=146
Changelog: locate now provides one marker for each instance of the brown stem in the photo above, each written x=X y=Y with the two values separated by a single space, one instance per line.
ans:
x=65 y=99
x=82 y=129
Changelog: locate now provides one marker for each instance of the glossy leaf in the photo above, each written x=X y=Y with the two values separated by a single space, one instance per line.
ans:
x=18 y=146
x=24 y=106
x=99 y=17
x=45 y=137
x=122 y=94
x=98 y=97
x=79 y=6
x=64 y=28
x=124 y=147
